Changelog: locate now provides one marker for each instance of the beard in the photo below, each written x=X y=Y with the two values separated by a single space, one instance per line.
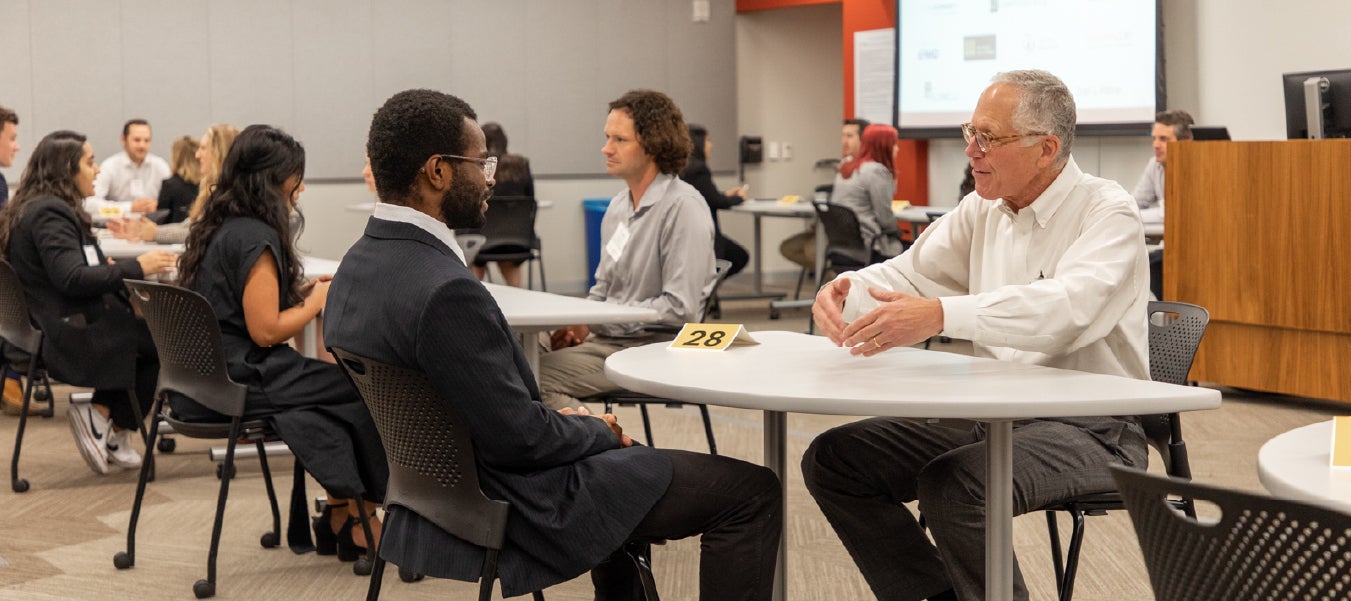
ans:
x=462 y=204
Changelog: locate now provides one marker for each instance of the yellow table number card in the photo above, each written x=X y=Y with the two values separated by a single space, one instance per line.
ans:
x=1341 y=441
x=789 y=199
x=712 y=336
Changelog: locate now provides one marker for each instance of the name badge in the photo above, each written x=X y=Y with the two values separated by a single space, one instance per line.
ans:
x=712 y=336
x=1341 y=442
x=91 y=255
x=620 y=239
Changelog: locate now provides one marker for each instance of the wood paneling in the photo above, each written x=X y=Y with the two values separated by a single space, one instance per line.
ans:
x=1259 y=233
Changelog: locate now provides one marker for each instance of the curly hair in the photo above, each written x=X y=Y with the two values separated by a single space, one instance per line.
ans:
x=250 y=184
x=409 y=128
x=51 y=171
x=660 y=127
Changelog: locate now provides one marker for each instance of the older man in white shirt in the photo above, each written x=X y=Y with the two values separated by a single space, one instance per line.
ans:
x=133 y=175
x=1043 y=264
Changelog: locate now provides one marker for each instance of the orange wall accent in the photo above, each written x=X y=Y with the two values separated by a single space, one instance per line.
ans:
x=912 y=164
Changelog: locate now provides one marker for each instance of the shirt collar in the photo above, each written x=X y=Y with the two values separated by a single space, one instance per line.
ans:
x=655 y=191
x=1046 y=205
x=429 y=224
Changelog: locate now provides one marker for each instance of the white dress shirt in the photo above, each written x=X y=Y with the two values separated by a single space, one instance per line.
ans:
x=429 y=224
x=119 y=179
x=1062 y=283
x=1149 y=190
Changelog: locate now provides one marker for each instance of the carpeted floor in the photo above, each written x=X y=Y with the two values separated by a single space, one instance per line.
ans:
x=57 y=540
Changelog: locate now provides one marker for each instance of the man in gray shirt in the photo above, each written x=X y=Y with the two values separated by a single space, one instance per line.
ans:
x=656 y=247
x=1169 y=126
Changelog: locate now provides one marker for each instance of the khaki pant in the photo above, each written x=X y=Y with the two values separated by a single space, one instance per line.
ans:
x=568 y=375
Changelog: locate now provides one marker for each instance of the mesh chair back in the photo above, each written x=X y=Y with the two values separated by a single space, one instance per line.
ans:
x=431 y=455
x=509 y=222
x=844 y=240
x=1259 y=549
x=188 y=339
x=1175 y=331
x=15 y=325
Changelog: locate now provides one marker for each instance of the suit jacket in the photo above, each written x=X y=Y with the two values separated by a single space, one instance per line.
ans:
x=82 y=309
x=402 y=297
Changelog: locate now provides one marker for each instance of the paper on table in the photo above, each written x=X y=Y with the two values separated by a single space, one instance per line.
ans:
x=1341 y=441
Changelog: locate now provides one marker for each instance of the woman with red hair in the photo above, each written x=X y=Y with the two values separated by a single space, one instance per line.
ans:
x=866 y=184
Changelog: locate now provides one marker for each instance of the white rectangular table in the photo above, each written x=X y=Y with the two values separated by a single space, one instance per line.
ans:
x=118 y=249
x=790 y=372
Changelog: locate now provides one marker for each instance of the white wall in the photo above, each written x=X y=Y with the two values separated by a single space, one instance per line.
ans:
x=789 y=82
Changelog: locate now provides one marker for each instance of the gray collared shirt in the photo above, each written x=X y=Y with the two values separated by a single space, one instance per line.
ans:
x=658 y=256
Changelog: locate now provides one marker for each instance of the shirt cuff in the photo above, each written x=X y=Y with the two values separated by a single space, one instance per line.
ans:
x=959 y=316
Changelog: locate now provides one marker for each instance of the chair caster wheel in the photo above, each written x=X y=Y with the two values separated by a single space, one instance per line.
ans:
x=774 y=314
x=221 y=472
x=122 y=560
x=204 y=589
x=362 y=567
x=270 y=540
x=166 y=445
x=19 y=485
x=408 y=575
x=42 y=395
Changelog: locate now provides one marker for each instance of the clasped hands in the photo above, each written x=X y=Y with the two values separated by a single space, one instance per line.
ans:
x=902 y=319
x=608 y=418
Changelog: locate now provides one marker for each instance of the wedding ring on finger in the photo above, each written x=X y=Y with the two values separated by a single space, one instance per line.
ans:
x=875 y=343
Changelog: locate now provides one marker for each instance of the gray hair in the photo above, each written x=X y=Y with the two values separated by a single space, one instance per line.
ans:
x=1046 y=106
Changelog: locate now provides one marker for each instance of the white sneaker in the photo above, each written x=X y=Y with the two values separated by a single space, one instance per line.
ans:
x=120 y=451
x=90 y=429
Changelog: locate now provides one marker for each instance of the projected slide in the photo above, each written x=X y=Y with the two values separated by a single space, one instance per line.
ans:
x=948 y=50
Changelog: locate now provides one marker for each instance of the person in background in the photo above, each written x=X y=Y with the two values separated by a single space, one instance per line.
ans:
x=657 y=238
x=9 y=146
x=241 y=256
x=968 y=184
x=91 y=337
x=1046 y=266
x=180 y=191
x=368 y=177
x=866 y=184
x=800 y=248
x=210 y=153
x=1169 y=126
x=134 y=174
x=513 y=179
x=697 y=174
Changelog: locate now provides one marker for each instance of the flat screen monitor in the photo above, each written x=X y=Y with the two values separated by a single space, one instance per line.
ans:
x=1210 y=132
x=1335 y=104
x=1109 y=53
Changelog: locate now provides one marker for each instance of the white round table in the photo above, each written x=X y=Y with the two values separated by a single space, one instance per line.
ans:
x=1298 y=465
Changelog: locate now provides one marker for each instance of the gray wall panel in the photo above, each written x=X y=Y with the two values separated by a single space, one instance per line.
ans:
x=542 y=68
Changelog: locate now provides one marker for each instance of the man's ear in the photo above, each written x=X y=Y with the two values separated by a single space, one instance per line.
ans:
x=439 y=173
x=1050 y=149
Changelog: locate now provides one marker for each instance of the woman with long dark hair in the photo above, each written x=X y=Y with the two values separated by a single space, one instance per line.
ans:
x=76 y=296
x=241 y=256
x=513 y=179
x=697 y=174
x=866 y=184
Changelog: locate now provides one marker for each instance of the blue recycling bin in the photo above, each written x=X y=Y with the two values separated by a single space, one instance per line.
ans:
x=595 y=213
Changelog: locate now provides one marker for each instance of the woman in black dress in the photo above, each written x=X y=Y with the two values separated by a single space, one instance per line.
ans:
x=513 y=178
x=241 y=256
x=178 y=192
x=697 y=174
x=76 y=297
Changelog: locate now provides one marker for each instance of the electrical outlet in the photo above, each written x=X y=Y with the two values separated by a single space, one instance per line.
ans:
x=701 y=11
x=787 y=151
x=773 y=151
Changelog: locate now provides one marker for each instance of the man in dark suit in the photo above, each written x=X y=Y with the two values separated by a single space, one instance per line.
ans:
x=579 y=488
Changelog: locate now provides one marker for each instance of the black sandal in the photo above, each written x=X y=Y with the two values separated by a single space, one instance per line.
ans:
x=325 y=539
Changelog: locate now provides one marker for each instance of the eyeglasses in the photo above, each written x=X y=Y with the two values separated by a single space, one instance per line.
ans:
x=985 y=141
x=489 y=164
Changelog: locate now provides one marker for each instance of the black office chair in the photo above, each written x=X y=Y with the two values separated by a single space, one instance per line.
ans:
x=16 y=327
x=509 y=227
x=1175 y=331
x=432 y=471
x=1258 y=549
x=627 y=398
x=846 y=250
x=192 y=363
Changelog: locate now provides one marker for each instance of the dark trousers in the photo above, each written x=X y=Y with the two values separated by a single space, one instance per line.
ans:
x=860 y=474
x=118 y=401
x=737 y=507
x=728 y=250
